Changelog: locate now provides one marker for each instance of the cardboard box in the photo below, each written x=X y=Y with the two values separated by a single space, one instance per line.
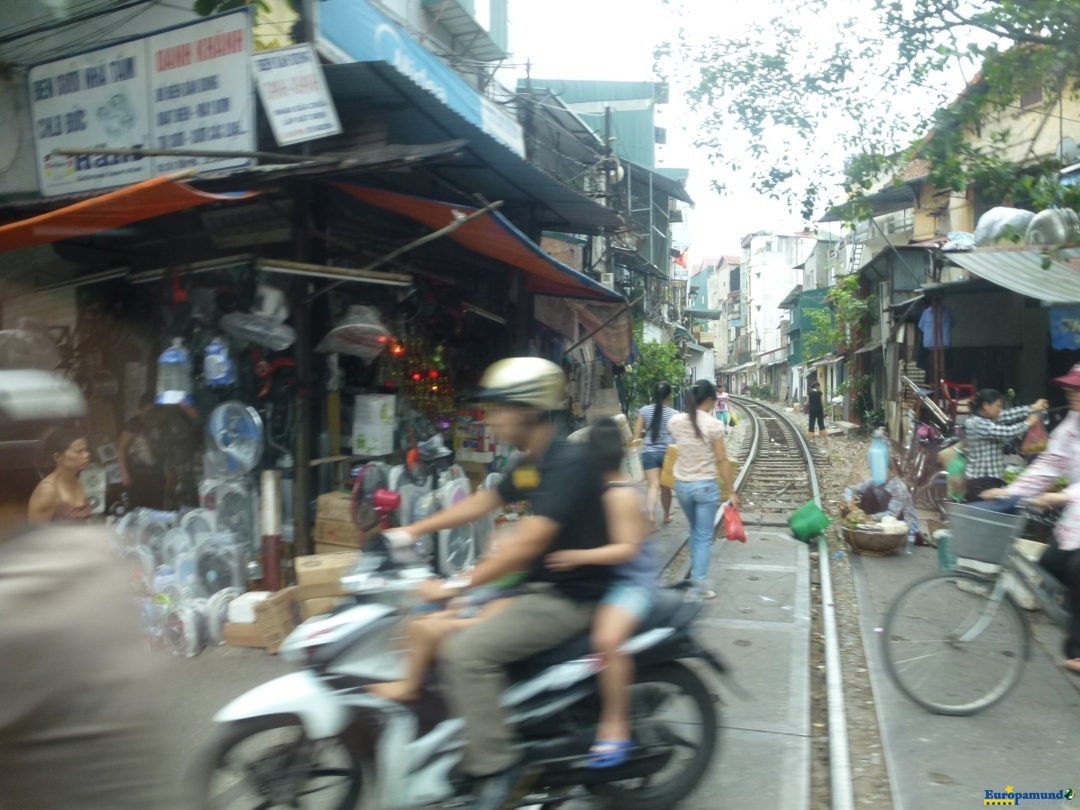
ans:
x=319 y=606
x=243 y=635
x=331 y=548
x=277 y=616
x=319 y=575
x=337 y=532
x=334 y=506
x=373 y=424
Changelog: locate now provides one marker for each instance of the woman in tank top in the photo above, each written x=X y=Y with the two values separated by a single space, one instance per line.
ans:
x=60 y=495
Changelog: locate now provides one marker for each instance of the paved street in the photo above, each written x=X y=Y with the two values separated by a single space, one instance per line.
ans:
x=1030 y=740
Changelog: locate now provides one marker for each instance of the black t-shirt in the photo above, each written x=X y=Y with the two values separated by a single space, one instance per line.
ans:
x=816 y=402
x=566 y=487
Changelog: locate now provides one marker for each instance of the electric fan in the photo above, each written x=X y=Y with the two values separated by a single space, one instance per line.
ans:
x=217 y=613
x=372 y=478
x=175 y=543
x=218 y=566
x=185 y=630
x=457 y=546
x=197 y=522
x=424 y=507
x=360 y=333
x=265 y=324
x=236 y=511
x=235 y=433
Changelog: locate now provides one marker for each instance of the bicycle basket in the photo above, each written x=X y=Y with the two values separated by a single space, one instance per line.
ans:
x=979 y=534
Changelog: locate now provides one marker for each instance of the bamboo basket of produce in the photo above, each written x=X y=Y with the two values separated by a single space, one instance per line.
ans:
x=872 y=537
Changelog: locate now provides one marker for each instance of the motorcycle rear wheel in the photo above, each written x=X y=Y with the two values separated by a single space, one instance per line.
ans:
x=672 y=683
x=293 y=771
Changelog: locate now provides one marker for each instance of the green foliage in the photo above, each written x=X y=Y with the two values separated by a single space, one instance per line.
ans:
x=657 y=363
x=766 y=92
x=839 y=325
x=207 y=7
x=760 y=392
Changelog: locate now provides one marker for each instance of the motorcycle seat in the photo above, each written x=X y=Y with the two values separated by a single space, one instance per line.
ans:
x=669 y=609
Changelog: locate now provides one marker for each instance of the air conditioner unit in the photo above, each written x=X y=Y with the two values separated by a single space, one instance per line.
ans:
x=608 y=280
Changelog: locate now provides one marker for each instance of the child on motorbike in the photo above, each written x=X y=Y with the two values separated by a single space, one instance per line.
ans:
x=627 y=601
x=424 y=635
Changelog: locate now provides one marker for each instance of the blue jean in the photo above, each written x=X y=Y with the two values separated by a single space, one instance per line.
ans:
x=699 y=501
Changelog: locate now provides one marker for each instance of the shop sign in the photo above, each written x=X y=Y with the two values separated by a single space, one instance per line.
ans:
x=186 y=87
x=1065 y=328
x=356 y=31
x=679 y=273
x=294 y=94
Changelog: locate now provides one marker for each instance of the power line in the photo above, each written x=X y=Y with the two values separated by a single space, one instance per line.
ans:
x=52 y=27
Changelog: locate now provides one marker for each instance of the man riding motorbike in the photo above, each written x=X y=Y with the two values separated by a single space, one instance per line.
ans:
x=565 y=490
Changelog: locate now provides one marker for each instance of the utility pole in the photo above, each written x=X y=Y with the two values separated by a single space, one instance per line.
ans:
x=609 y=196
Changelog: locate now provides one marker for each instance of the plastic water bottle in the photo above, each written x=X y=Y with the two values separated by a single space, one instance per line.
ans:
x=218 y=369
x=174 y=375
x=910 y=545
x=878 y=458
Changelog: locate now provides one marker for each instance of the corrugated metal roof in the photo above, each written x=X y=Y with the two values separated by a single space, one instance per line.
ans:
x=1027 y=272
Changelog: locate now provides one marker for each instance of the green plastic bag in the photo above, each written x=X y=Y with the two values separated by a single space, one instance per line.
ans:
x=808 y=521
x=957 y=481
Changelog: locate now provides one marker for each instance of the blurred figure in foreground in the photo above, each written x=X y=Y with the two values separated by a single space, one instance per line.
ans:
x=78 y=726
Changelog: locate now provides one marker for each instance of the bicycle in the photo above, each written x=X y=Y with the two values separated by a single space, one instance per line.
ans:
x=956 y=642
x=921 y=470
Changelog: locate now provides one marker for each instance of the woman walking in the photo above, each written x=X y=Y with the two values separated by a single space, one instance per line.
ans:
x=723 y=407
x=985 y=434
x=652 y=426
x=702 y=455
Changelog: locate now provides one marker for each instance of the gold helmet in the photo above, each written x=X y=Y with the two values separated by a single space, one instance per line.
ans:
x=530 y=381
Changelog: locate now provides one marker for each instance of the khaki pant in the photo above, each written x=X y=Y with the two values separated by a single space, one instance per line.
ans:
x=473 y=663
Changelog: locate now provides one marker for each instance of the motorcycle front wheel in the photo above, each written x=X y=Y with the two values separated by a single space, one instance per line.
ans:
x=673 y=699
x=269 y=762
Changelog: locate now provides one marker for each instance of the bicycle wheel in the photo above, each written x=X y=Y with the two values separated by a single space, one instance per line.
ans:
x=952 y=648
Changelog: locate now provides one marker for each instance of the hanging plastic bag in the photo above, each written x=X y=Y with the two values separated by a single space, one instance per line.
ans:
x=732 y=421
x=1035 y=440
x=957 y=479
x=733 y=524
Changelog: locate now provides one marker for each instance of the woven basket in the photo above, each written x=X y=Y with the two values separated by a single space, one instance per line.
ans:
x=873 y=544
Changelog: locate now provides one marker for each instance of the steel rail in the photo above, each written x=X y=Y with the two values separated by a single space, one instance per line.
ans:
x=842 y=797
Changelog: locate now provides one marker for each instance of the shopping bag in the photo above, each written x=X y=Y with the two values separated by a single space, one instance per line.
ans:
x=1035 y=440
x=667 y=472
x=808 y=521
x=732 y=421
x=733 y=523
x=957 y=480
x=632 y=466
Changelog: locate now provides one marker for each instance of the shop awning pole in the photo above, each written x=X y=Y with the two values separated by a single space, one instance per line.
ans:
x=423 y=240
x=595 y=331
x=276 y=157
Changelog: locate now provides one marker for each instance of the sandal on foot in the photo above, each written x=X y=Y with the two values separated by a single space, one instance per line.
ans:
x=609 y=753
x=667 y=518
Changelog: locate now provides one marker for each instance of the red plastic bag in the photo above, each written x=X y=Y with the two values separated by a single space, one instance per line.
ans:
x=733 y=524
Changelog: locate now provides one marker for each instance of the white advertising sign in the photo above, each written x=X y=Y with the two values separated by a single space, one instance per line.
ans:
x=184 y=88
x=293 y=92
x=200 y=92
x=94 y=99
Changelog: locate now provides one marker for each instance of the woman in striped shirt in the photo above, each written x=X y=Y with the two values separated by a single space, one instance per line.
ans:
x=985 y=434
x=652 y=425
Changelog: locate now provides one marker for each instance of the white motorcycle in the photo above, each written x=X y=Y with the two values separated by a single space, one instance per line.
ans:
x=318 y=739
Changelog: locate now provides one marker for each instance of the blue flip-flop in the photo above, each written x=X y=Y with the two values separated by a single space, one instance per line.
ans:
x=609 y=753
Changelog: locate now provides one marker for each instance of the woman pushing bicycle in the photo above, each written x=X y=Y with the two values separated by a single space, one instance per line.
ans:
x=1061 y=459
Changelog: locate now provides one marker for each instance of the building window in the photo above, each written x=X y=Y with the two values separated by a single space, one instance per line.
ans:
x=1032 y=98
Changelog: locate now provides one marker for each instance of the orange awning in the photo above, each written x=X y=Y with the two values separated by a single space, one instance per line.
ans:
x=146 y=200
x=491 y=235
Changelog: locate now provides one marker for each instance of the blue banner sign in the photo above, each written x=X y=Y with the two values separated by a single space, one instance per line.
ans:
x=356 y=31
x=1065 y=328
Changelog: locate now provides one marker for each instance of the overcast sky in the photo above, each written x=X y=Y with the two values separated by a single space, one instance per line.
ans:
x=615 y=40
